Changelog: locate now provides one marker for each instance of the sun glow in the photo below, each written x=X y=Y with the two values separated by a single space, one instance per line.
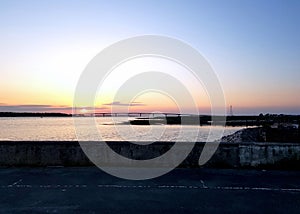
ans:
x=84 y=111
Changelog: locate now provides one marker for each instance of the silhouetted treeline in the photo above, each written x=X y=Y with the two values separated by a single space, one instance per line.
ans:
x=260 y=120
x=32 y=114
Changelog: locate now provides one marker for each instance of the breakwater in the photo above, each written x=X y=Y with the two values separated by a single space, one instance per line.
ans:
x=228 y=155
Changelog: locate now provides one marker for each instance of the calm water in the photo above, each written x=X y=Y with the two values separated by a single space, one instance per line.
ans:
x=58 y=129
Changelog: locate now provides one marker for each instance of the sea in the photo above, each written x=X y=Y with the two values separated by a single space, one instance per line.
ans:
x=108 y=129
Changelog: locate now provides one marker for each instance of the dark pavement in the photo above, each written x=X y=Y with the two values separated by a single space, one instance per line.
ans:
x=89 y=190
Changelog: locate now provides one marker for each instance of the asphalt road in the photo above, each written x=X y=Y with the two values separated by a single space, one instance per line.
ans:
x=89 y=190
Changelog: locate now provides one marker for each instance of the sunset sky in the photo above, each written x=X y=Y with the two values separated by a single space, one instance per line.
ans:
x=253 y=46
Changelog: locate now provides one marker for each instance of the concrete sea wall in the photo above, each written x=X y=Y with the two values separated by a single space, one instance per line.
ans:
x=228 y=155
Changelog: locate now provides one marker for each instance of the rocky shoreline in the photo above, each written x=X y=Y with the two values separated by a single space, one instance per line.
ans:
x=244 y=135
x=263 y=134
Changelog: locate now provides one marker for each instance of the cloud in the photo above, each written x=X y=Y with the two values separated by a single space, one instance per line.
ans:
x=117 y=103
x=41 y=108
x=28 y=106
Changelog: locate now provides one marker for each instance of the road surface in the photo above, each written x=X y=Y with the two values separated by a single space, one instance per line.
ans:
x=89 y=190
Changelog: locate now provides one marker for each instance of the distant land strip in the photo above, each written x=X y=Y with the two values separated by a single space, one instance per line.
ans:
x=33 y=114
x=175 y=118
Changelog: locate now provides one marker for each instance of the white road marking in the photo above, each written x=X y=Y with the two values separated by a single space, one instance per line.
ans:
x=15 y=183
x=203 y=187
x=203 y=184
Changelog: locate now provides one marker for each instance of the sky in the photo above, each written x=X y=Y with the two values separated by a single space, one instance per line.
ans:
x=253 y=47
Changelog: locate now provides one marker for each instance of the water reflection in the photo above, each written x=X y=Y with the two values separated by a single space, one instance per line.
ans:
x=59 y=129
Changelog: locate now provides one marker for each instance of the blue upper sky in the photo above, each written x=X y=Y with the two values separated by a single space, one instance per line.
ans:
x=253 y=46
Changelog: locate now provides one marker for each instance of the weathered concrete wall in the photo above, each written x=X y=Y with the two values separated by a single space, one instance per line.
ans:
x=24 y=153
x=228 y=155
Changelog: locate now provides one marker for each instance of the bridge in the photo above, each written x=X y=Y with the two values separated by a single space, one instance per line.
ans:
x=138 y=114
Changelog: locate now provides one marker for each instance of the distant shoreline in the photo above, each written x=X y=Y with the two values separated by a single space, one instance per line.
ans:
x=33 y=114
x=181 y=119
